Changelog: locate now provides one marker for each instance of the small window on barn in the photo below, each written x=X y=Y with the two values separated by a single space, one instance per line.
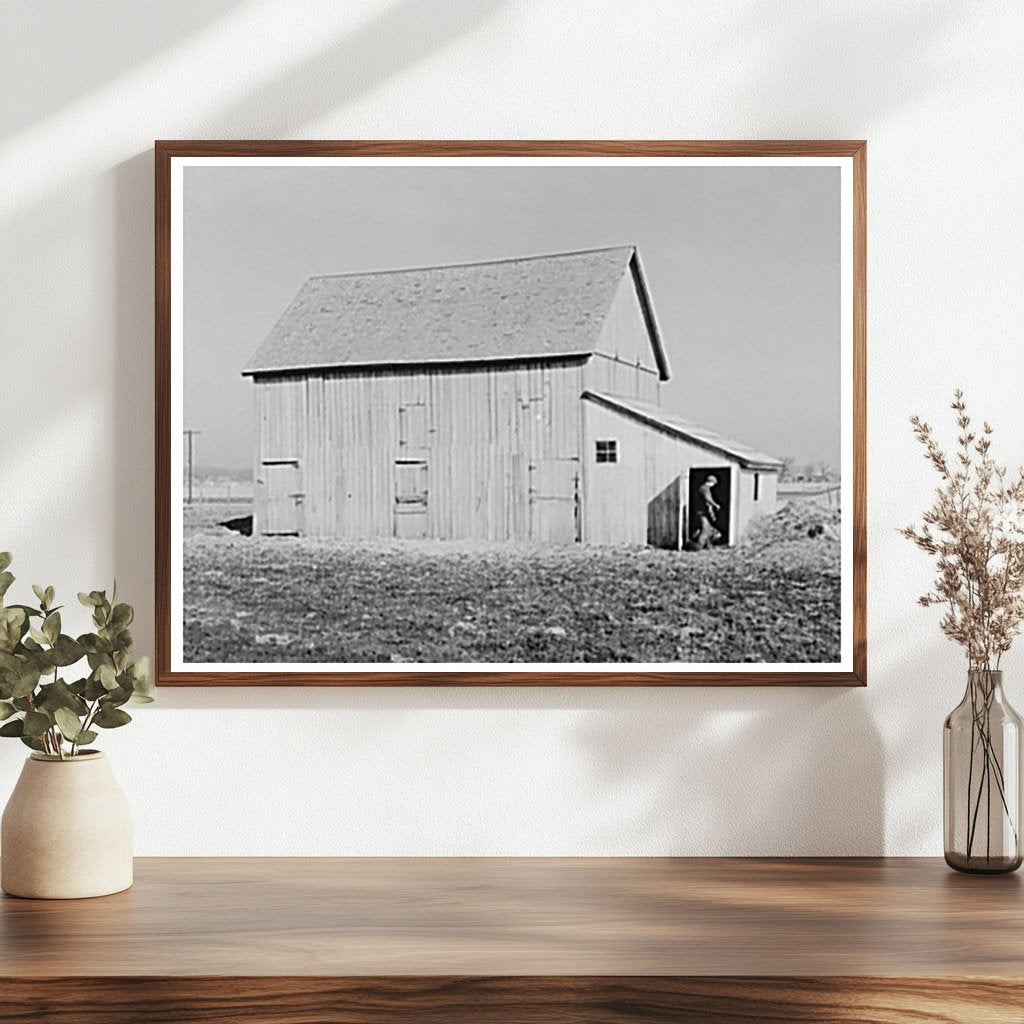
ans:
x=757 y=487
x=607 y=451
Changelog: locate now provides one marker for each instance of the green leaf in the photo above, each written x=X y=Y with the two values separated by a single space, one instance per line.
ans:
x=38 y=635
x=6 y=710
x=94 y=689
x=107 y=676
x=5 y=560
x=13 y=624
x=15 y=615
x=122 y=616
x=89 y=600
x=51 y=626
x=115 y=698
x=94 y=644
x=59 y=695
x=40 y=592
x=30 y=612
x=66 y=651
x=86 y=736
x=107 y=718
x=36 y=723
x=27 y=681
x=69 y=723
x=31 y=741
x=6 y=579
x=50 y=595
x=16 y=727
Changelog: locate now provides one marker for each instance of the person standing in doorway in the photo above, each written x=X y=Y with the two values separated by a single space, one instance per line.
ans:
x=707 y=513
x=711 y=507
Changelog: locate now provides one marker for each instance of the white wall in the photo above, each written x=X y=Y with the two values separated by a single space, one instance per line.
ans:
x=936 y=88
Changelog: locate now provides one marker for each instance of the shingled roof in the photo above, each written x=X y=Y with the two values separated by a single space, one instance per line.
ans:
x=536 y=307
x=676 y=426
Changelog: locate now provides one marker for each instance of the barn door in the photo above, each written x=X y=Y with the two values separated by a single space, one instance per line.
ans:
x=716 y=483
x=554 y=501
x=410 y=517
x=282 y=482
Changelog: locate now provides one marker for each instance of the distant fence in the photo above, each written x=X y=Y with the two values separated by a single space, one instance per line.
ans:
x=825 y=492
x=221 y=492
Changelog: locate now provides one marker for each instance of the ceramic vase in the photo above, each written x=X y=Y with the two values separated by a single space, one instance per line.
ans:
x=66 y=831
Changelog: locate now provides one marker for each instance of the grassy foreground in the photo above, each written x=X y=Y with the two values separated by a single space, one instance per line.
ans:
x=292 y=600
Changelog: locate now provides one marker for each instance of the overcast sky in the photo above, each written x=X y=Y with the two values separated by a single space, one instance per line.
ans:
x=742 y=264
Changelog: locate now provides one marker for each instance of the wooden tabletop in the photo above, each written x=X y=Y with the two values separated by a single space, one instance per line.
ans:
x=502 y=916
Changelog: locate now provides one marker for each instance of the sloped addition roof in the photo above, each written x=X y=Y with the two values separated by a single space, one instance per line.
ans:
x=656 y=416
x=535 y=307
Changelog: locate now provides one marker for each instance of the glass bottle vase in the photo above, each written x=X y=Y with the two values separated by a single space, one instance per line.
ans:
x=981 y=771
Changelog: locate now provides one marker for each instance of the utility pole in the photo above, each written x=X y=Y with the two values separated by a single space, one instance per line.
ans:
x=190 y=434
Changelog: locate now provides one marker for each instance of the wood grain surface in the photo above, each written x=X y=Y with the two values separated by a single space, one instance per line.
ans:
x=521 y=939
x=505 y=916
x=166 y=150
x=511 y=1000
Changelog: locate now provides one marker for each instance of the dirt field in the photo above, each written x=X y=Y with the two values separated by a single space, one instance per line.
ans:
x=286 y=599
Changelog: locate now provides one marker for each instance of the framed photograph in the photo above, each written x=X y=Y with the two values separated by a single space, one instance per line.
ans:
x=492 y=413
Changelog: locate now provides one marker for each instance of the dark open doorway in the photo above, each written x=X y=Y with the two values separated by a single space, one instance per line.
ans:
x=708 y=488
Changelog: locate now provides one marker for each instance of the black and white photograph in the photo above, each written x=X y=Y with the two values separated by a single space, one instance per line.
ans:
x=492 y=414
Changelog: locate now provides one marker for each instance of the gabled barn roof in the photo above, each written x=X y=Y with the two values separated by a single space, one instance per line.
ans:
x=536 y=307
x=670 y=423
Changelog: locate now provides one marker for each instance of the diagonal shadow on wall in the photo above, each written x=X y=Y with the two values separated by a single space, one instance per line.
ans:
x=385 y=46
x=53 y=38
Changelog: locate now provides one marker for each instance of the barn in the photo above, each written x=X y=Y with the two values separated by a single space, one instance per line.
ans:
x=512 y=400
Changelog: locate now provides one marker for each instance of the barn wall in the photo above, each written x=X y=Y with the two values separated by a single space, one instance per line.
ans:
x=624 y=361
x=612 y=376
x=767 y=501
x=617 y=498
x=500 y=447
x=614 y=494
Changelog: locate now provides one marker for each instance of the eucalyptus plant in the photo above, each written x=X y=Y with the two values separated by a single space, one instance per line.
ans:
x=37 y=704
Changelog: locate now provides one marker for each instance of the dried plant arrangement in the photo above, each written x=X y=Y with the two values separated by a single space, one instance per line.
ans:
x=47 y=713
x=975 y=532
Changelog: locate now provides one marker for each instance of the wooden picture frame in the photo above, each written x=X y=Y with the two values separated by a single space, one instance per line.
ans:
x=850 y=156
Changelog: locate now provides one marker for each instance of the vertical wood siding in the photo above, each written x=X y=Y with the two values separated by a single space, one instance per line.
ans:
x=624 y=362
x=490 y=434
